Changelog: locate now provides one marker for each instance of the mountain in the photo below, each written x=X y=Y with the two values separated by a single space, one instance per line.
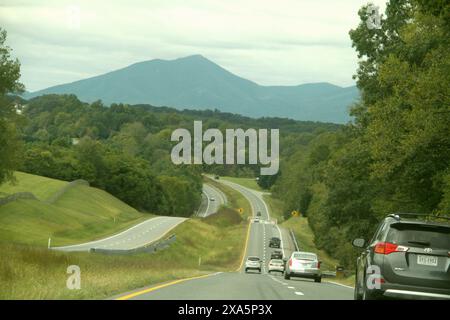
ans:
x=195 y=82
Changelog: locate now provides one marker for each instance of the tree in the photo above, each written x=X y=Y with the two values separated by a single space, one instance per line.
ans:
x=10 y=143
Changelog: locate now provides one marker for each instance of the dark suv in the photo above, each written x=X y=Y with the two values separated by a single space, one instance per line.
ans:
x=274 y=242
x=408 y=257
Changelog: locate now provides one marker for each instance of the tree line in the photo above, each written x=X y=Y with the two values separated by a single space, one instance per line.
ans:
x=395 y=155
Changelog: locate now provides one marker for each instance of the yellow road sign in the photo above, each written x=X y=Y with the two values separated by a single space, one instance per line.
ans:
x=241 y=211
x=295 y=213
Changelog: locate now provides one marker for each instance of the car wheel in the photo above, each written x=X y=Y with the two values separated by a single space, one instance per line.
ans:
x=287 y=276
x=356 y=294
x=318 y=279
x=246 y=270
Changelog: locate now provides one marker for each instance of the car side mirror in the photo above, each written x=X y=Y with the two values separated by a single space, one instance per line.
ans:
x=359 y=243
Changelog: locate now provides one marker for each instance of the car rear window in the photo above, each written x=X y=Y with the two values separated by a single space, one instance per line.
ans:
x=420 y=236
x=253 y=259
x=305 y=256
x=276 y=261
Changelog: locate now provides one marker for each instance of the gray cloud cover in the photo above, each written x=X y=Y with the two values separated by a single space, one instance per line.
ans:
x=282 y=42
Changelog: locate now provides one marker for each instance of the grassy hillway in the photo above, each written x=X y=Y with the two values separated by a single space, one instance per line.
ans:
x=29 y=271
x=81 y=214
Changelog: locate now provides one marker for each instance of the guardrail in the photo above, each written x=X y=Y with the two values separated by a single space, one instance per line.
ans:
x=294 y=239
x=17 y=196
x=151 y=248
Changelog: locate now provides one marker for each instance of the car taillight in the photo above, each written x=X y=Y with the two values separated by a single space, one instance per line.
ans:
x=290 y=262
x=318 y=265
x=388 y=248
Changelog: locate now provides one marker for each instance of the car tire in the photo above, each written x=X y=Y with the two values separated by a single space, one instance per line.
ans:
x=356 y=294
x=318 y=279
x=287 y=276
x=246 y=270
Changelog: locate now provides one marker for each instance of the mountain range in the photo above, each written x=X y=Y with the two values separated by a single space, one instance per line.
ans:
x=194 y=82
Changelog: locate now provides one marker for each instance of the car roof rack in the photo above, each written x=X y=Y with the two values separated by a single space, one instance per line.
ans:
x=398 y=215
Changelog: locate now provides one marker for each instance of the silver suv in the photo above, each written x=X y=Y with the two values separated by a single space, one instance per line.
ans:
x=253 y=263
x=408 y=257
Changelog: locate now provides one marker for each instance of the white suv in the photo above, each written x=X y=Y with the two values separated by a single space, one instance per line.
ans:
x=303 y=264
x=253 y=263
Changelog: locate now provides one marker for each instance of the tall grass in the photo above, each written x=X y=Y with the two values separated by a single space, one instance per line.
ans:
x=29 y=272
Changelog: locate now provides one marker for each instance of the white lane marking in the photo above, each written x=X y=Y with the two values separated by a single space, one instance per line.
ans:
x=113 y=236
x=299 y=293
x=340 y=284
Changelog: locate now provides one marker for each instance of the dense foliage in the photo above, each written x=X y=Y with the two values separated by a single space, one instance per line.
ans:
x=395 y=156
x=126 y=149
x=9 y=83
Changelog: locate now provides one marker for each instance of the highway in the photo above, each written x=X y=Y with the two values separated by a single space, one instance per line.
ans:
x=212 y=199
x=134 y=237
x=252 y=286
x=152 y=229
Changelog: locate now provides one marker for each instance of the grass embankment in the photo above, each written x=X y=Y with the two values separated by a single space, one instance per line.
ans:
x=202 y=246
x=29 y=271
x=42 y=187
x=81 y=214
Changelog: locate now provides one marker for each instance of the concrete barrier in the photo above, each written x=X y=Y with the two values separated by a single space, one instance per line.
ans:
x=17 y=196
x=64 y=189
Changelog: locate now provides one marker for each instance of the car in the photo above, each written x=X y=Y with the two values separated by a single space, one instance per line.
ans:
x=407 y=258
x=253 y=263
x=277 y=254
x=274 y=242
x=304 y=265
x=256 y=220
x=212 y=199
x=258 y=214
x=276 y=265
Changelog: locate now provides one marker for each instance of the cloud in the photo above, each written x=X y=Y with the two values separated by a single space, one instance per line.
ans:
x=270 y=42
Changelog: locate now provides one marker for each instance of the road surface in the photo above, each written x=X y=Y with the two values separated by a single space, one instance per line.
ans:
x=212 y=199
x=252 y=286
x=135 y=237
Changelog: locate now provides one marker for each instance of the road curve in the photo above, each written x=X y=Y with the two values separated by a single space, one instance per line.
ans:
x=134 y=237
x=212 y=199
x=241 y=286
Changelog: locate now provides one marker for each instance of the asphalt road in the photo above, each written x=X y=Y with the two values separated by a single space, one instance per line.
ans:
x=137 y=236
x=212 y=199
x=252 y=286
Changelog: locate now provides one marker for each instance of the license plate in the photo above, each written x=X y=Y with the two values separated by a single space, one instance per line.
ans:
x=427 y=260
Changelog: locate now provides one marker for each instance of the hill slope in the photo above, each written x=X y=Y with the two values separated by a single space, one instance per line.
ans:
x=195 y=82
x=80 y=214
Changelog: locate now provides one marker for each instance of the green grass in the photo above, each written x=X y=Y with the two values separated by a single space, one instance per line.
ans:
x=81 y=214
x=275 y=207
x=29 y=271
x=246 y=182
x=41 y=187
x=36 y=273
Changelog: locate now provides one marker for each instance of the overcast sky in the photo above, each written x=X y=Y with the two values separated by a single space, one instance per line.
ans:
x=283 y=42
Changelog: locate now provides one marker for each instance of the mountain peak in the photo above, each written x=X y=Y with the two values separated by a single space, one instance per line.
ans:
x=195 y=82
